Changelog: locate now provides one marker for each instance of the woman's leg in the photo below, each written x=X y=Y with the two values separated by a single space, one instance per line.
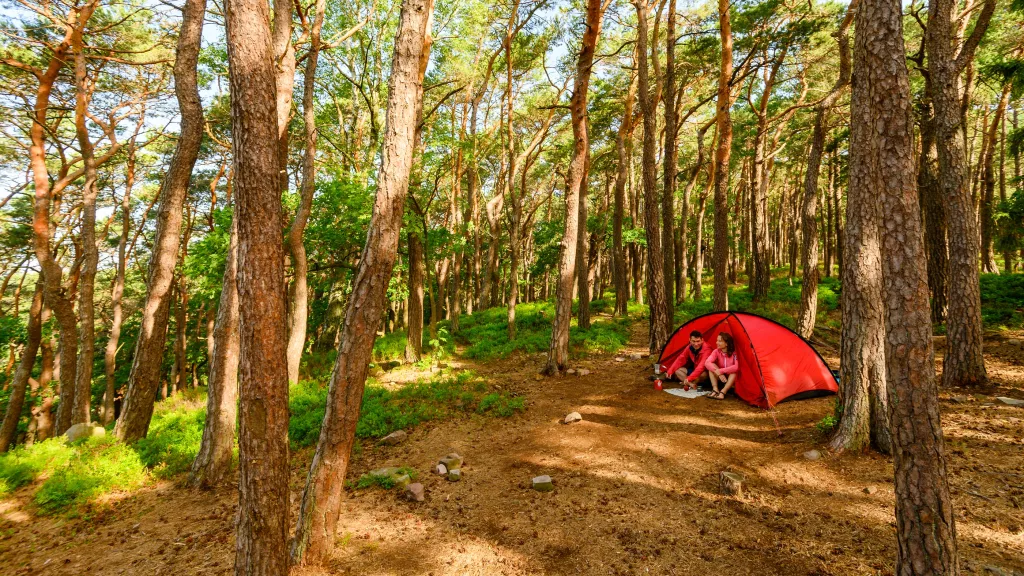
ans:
x=728 y=384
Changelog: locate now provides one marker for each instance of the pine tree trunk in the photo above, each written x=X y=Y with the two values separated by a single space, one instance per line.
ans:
x=988 y=257
x=558 y=352
x=964 y=364
x=926 y=533
x=19 y=384
x=144 y=379
x=213 y=462
x=414 y=334
x=582 y=253
x=262 y=528
x=117 y=293
x=321 y=500
x=670 y=161
x=724 y=122
x=659 y=318
x=934 y=210
x=620 y=275
x=299 y=309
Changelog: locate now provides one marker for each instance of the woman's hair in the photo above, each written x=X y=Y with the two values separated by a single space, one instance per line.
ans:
x=730 y=346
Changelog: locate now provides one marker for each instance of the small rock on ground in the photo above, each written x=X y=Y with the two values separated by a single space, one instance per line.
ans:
x=396 y=437
x=583 y=372
x=441 y=470
x=870 y=490
x=543 y=484
x=451 y=461
x=414 y=492
x=730 y=483
x=84 y=430
x=572 y=417
x=812 y=455
x=1010 y=401
x=454 y=475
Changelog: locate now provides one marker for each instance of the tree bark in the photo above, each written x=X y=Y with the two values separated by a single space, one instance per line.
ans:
x=926 y=533
x=299 y=309
x=620 y=275
x=724 y=122
x=964 y=364
x=144 y=379
x=670 y=162
x=19 y=383
x=261 y=531
x=558 y=352
x=213 y=462
x=934 y=210
x=321 y=499
x=582 y=253
x=988 y=257
x=414 y=334
x=659 y=318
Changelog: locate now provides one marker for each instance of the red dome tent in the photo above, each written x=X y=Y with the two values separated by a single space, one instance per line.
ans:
x=776 y=364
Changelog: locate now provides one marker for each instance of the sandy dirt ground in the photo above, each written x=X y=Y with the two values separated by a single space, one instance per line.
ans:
x=636 y=491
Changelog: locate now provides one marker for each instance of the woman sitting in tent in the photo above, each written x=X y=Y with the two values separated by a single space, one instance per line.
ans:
x=723 y=365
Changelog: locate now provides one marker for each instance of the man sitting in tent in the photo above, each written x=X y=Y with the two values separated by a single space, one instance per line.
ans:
x=689 y=366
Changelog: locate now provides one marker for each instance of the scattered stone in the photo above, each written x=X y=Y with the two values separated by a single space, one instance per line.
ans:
x=960 y=399
x=452 y=461
x=385 y=472
x=543 y=484
x=730 y=484
x=83 y=431
x=583 y=372
x=414 y=492
x=620 y=359
x=454 y=475
x=572 y=417
x=396 y=437
x=402 y=480
x=538 y=377
x=812 y=455
x=636 y=356
x=1010 y=401
x=997 y=571
x=376 y=371
x=570 y=371
x=441 y=470
x=1015 y=342
x=870 y=490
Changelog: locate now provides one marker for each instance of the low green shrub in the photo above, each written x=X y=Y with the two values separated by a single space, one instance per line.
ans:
x=25 y=464
x=99 y=465
x=389 y=347
x=1002 y=300
x=175 y=433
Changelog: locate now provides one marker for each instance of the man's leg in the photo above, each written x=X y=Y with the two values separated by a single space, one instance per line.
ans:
x=680 y=375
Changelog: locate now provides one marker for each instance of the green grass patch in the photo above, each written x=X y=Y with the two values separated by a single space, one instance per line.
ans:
x=384 y=411
x=175 y=434
x=25 y=464
x=485 y=333
x=390 y=347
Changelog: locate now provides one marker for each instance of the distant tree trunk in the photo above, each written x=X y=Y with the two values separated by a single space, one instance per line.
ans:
x=809 y=255
x=261 y=531
x=180 y=323
x=19 y=383
x=41 y=425
x=90 y=252
x=934 y=210
x=582 y=253
x=558 y=352
x=964 y=364
x=697 y=281
x=144 y=379
x=988 y=257
x=620 y=275
x=724 y=121
x=321 y=500
x=117 y=293
x=299 y=309
x=669 y=163
x=213 y=462
x=660 y=320
x=414 y=334
x=883 y=165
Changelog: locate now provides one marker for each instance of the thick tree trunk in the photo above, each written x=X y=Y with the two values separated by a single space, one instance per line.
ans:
x=724 y=122
x=558 y=352
x=964 y=364
x=144 y=379
x=19 y=384
x=934 y=211
x=321 y=500
x=660 y=320
x=213 y=462
x=261 y=531
x=883 y=165
x=620 y=275
x=414 y=333
x=299 y=309
x=582 y=261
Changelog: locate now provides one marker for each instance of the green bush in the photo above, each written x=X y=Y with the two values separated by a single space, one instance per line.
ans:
x=1002 y=300
x=175 y=434
x=384 y=411
x=24 y=464
x=390 y=347
x=99 y=465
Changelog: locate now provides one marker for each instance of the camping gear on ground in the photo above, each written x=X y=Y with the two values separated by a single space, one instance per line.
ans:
x=683 y=393
x=776 y=363
x=657 y=384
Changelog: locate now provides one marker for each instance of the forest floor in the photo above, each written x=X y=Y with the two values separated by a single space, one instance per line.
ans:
x=635 y=490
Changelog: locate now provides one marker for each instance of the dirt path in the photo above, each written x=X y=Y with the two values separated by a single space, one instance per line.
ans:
x=636 y=493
